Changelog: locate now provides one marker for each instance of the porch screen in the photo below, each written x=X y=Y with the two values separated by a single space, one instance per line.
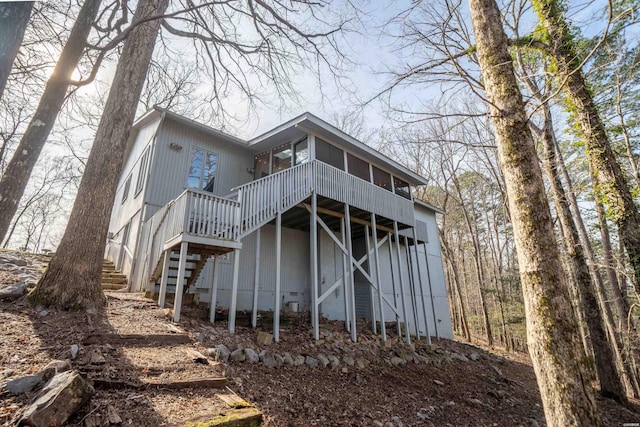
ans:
x=381 y=178
x=402 y=188
x=301 y=151
x=262 y=165
x=282 y=157
x=358 y=167
x=329 y=154
x=202 y=172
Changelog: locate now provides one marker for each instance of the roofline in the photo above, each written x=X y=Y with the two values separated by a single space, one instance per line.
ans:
x=299 y=121
x=429 y=206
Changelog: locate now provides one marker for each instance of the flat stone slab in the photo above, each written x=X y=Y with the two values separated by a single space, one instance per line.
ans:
x=243 y=417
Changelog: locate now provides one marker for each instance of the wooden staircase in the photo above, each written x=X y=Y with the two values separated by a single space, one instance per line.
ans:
x=196 y=260
x=112 y=279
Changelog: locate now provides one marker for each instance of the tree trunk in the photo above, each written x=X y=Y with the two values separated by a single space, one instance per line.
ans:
x=14 y=18
x=610 y=383
x=456 y=281
x=18 y=171
x=610 y=187
x=72 y=280
x=552 y=330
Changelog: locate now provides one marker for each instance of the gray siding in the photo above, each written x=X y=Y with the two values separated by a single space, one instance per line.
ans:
x=171 y=165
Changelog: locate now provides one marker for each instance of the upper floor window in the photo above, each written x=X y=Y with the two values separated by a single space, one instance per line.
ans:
x=202 y=170
x=281 y=157
x=381 y=178
x=262 y=165
x=329 y=154
x=144 y=165
x=301 y=151
x=358 y=167
x=402 y=188
x=127 y=185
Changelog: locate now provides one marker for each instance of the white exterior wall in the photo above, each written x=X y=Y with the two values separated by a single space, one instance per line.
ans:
x=128 y=212
x=171 y=165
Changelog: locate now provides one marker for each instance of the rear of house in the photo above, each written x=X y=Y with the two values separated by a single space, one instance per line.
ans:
x=303 y=215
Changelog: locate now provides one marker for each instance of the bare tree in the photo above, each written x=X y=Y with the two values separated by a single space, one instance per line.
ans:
x=14 y=18
x=555 y=349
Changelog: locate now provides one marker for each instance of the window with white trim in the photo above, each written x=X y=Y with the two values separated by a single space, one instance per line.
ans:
x=142 y=173
x=202 y=169
x=127 y=185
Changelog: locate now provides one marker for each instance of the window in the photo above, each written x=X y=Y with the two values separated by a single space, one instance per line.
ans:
x=142 y=174
x=261 y=166
x=358 y=167
x=402 y=188
x=202 y=172
x=281 y=157
x=125 y=192
x=301 y=151
x=381 y=178
x=329 y=154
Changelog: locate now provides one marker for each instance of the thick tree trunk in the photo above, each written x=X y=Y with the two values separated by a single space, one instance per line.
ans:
x=73 y=277
x=14 y=18
x=610 y=384
x=552 y=330
x=610 y=187
x=18 y=171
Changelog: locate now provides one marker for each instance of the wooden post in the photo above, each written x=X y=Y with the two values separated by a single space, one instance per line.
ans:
x=393 y=284
x=352 y=283
x=276 y=310
x=407 y=325
x=165 y=277
x=314 y=265
x=345 y=288
x=234 y=291
x=374 y=327
x=424 y=307
x=433 y=307
x=177 y=301
x=214 y=288
x=376 y=257
x=256 y=281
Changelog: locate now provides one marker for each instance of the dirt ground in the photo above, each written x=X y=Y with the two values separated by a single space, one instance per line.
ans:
x=447 y=384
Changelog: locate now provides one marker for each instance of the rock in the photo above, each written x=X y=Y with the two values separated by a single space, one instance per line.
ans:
x=397 y=361
x=323 y=360
x=397 y=420
x=334 y=361
x=264 y=338
x=497 y=370
x=299 y=360
x=269 y=360
x=474 y=356
x=58 y=366
x=60 y=398
x=73 y=350
x=310 y=361
x=13 y=291
x=449 y=403
x=238 y=355
x=348 y=360
x=112 y=416
x=345 y=370
x=325 y=333
x=222 y=353
x=96 y=358
x=498 y=394
x=533 y=423
x=251 y=355
x=43 y=313
x=377 y=423
x=389 y=424
x=479 y=402
x=279 y=359
x=362 y=363
x=19 y=262
x=417 y=358
x=24 y=384
x=168 y=313
x=438 y=382
x=199 y=337
x=287 y=359
x=460 y=357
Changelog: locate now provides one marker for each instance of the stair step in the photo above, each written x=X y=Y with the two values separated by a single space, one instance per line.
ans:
x=113 y=286
x=114 y=275
x=115 y=280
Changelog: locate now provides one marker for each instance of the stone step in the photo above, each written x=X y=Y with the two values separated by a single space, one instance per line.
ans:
x=113 y=286
x=115 y=280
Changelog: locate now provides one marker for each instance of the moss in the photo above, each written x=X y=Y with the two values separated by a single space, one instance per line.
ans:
x=245 y=417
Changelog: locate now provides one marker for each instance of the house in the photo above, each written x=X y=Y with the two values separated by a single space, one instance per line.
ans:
x=303 y=217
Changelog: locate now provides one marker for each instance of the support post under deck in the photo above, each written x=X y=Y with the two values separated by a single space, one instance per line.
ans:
x=214 y=289
x=407 y=325
x=345 y=288
x=234 y=291
x=420 y=287
x=412 y=286
x=166 y=259
x=393 y=284
x=256 y=282
x=374 y=278
x=433 y=307
x=315 y=318
x=276 y=310
x=376 y=256
x=352 y=281
x=177 y=300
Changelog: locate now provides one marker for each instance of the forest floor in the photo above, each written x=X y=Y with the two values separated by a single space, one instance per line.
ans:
x=365 y=384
